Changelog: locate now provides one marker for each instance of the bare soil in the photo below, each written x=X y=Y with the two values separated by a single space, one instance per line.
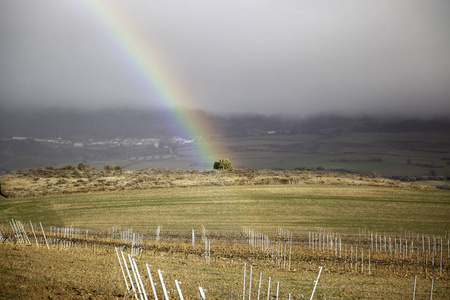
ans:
x=89 y=269
x=28 y=272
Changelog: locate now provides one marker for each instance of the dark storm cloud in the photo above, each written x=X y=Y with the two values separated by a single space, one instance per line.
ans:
x=296 y=57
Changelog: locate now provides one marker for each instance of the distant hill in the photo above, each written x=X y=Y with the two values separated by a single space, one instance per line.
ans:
x=27 y=153
x=157 y=123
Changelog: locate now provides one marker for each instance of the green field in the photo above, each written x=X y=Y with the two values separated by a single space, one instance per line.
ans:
x=228 y=208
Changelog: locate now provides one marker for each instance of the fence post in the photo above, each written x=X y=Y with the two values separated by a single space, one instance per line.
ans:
x=166 y=296
x=440 y=265
x=278 y=289
x=45 y=238
x=209 y=251
x=135 y=275
x=32 y=228
x=151 y=281
x=129 y=275
x=132 y=244
x=24 y=232
x=250 y=283
x=17 y=233
x=315 y=283
x=202 y=293
x=243 y=283
x=431 y=290
x=179 y=290
x=140 y=279
x=121 y=267
x=362 y=260
x=259 y=285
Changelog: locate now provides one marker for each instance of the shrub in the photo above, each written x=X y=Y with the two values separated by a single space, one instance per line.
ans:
x=223 y=164
x=68 y=168
x=444 y=187
x=108 y=167
x=84 y=166
x=111 y=167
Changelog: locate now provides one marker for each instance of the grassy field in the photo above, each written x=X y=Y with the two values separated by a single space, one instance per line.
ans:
x=228 y=208
x=90 y=268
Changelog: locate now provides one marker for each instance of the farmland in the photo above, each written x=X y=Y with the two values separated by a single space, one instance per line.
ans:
x=323 y=223
x=228 y=208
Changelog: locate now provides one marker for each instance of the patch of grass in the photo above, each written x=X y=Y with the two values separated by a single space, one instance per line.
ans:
x=11 y=294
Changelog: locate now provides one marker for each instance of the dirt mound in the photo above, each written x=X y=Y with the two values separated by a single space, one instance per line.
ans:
x=49 y=181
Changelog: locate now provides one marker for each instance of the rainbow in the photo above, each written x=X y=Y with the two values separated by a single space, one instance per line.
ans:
x=153 y=70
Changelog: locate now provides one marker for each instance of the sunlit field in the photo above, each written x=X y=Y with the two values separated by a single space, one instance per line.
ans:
x=368 y=240
x=228 y=208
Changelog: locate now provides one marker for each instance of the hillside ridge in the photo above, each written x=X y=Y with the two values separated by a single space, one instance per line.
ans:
x=83 y=179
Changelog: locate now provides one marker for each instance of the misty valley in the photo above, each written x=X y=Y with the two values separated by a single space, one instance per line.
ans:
x=409 y=150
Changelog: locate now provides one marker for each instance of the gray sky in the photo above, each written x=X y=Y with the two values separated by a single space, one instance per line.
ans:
x=271 y=57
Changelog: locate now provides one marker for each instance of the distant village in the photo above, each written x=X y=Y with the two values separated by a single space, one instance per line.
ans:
x=121 y=142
